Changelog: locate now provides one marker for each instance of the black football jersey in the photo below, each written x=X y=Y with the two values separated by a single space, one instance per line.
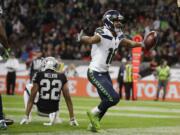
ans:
x=50 y=85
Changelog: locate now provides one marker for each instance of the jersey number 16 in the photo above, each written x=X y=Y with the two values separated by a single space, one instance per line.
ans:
x=110 y=55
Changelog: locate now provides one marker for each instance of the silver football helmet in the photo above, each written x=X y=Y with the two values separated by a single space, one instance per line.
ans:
x=53 y=64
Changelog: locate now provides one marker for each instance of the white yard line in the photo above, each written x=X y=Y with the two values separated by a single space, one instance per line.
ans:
x=141 y=115
x=135 y=108
x=146 y=109
x=118 y=108
x=80 y=99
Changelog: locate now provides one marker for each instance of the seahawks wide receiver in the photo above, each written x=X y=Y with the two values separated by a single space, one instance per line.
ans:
x=104 y=43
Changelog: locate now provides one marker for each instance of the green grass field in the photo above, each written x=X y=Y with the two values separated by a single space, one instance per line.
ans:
x=127 y=118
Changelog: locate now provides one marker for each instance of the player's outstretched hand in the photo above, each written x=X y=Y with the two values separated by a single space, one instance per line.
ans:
x=25 y=120
x=73 y=122
x=79 y=36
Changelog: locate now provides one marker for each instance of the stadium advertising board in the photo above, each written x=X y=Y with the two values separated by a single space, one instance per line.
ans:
x=146 y=90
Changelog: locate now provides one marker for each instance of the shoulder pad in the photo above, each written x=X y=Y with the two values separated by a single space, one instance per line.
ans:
x=100 y=30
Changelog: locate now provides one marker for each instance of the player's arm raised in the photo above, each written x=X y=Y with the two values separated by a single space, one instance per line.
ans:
x=129 y=43
x=88 y=39
x=69 y=104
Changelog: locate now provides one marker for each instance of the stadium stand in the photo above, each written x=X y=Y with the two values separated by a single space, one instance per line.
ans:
x=52 y=25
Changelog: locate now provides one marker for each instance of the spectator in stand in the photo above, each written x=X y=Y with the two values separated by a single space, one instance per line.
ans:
x=71 y=71
x=150 y=69
x=57 y=23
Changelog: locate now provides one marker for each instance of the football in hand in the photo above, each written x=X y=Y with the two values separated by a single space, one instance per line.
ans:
x=150 y=40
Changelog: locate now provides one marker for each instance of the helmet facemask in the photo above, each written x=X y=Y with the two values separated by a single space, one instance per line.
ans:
x=117 y=25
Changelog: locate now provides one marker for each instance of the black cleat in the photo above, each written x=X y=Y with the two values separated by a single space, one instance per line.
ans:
x=3 y=125
x=8 y=121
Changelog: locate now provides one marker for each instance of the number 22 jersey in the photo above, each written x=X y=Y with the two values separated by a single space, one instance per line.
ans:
x=102 y=53
x=50 y=84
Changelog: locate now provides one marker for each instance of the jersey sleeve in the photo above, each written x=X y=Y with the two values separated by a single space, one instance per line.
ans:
x=36 y=77
x=64 y=79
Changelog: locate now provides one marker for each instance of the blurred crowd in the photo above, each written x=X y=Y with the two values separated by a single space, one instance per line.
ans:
x=51 y=26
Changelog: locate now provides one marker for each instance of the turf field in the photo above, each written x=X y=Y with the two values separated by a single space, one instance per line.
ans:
x=127 y=118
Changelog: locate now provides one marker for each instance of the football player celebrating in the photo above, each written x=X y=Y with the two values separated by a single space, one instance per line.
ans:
x=4 y=53
x=49 y=83
x=105 y=44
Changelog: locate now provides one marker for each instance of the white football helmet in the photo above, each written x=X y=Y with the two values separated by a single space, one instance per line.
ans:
x=53 y=64
x=50 y=63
